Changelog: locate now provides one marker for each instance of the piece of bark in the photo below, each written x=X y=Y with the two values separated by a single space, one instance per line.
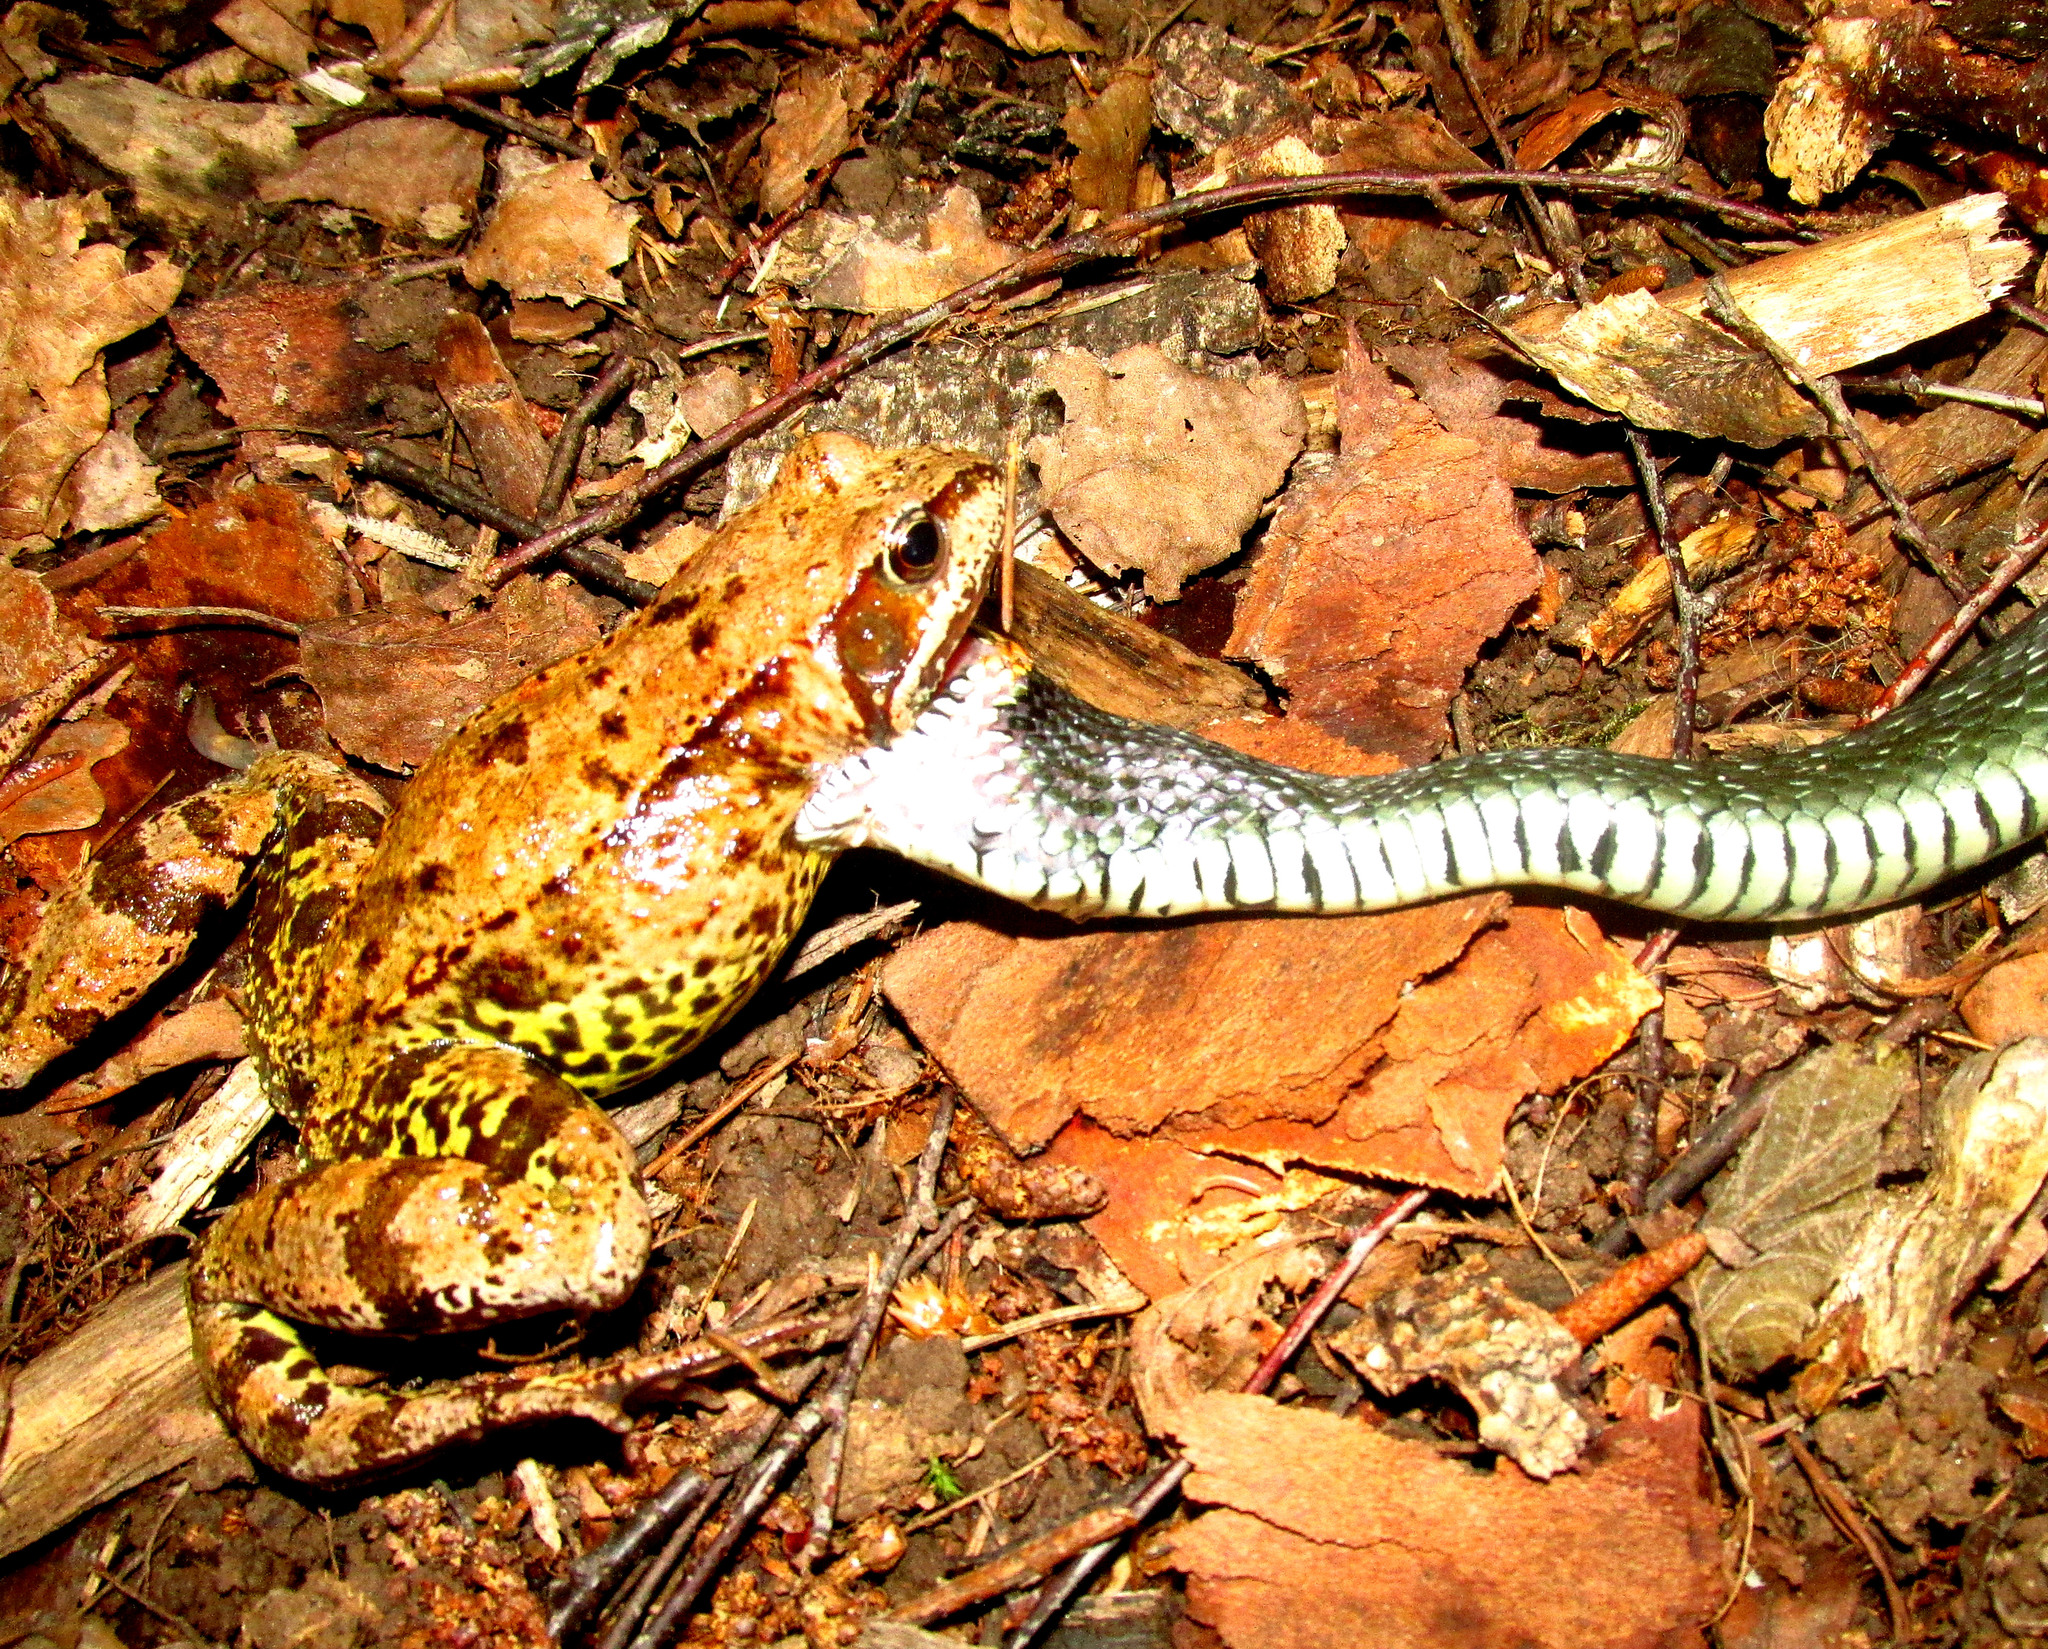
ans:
x=113 y=1406
x=1119 y=665
x=487 y=403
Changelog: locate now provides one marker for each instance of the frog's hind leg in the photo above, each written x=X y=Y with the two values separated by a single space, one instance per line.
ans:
x=129 y=916
x=495 y=1192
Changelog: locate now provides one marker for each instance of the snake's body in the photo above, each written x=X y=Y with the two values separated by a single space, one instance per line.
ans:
x=1011 y=783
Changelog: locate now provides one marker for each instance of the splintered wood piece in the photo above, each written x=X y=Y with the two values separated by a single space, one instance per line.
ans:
x=1662 y=362
x=113 y=1406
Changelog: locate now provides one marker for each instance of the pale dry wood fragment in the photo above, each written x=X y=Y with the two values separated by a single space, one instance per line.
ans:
x=211 y=1140
x=1854 y=298
x=1711 y=551
x=1924 y=1247
x=113 y=1406
x=1661 y=362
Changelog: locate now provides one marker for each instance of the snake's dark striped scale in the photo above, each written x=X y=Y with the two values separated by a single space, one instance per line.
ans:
x=1009 y=782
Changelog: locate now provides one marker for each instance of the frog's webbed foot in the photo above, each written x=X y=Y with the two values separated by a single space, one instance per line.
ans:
x=533 y=1204
x=293 y=1417
x=129 y=916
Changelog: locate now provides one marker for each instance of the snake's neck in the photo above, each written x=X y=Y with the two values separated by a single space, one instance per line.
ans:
x=1009 y=782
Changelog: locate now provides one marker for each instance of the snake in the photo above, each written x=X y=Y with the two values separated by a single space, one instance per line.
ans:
x=1009 y=781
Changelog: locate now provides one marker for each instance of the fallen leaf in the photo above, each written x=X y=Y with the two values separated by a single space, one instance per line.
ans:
x=478 y=36
x=951 y=249
x=1924 y=1246
x=190 y=163
x=396 y=682
x=61 y=304
x=282 y=352
x=1469 y=398
x=1335 y=1535
x=1796 y=1197
x=112 y=486
x=1378 y=582
x=1041 y=26
x=74 y=801
x=277 y=32
x=555 y=233
x=812 y=123
x=41 y=643
x=1110 y=133
x=404 y=172
x=1197 y=456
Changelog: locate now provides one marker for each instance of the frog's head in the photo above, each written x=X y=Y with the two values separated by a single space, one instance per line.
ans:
x=922 y=531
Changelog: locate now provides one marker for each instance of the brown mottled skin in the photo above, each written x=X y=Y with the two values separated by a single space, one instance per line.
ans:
x=582 y=884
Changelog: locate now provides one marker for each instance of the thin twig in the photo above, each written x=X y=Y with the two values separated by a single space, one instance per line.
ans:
x=1723 y=306
x=837 y=1404
x=619 y=371
x=1054 y=1596
x=1965 y=618
x=1115 y=239
x=1842 y=1512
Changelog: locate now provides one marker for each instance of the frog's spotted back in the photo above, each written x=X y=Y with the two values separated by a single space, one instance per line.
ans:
x=587 y=880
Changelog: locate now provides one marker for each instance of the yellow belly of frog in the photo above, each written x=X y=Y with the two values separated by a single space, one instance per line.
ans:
x=583 y=884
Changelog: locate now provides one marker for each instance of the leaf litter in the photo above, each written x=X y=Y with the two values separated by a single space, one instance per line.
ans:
x=1413 y=543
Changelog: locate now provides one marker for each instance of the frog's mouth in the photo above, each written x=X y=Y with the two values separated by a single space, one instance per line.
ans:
x=960 y=754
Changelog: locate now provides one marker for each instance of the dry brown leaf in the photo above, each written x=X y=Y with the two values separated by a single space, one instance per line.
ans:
x=1041 y=26
x=834 y=23
x=951 y=249
x=61 y=304
x=384 y=19
x=190 y=163
x=41 y=643
x=1336 y=1535
x=112 y=486
x=73 y=801
x=1160 y=468
x=1110 y=134
x=1377 y=583
x=397 y=681
x=1468 y=396
x=253 y=547
x=277 y=32
x=813 y=122
x=478 y=36
x=555 y=233
x=285 y=352
x=405 y=172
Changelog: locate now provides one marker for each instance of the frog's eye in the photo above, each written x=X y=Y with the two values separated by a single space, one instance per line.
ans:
x=917 y=544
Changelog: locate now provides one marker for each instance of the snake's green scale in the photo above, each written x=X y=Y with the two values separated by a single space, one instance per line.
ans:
x=1010 y=782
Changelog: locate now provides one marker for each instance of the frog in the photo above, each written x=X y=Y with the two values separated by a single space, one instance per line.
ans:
x=587 y=880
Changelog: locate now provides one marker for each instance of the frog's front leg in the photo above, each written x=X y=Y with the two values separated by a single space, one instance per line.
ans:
x=299 y=826
x=470 y=1186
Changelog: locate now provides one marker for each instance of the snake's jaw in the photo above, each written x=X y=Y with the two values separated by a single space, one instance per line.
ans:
x=949 y=778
